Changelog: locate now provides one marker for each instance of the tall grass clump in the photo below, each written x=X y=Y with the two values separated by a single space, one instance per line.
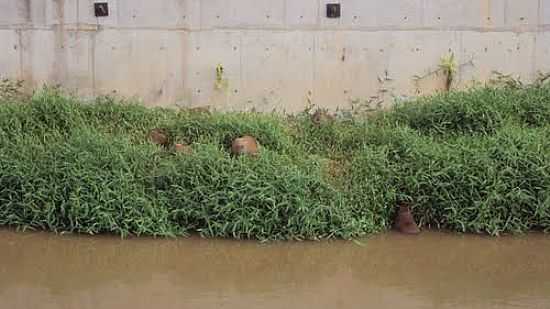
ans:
x=468 y=161
x=492 y=184
x=475 y=111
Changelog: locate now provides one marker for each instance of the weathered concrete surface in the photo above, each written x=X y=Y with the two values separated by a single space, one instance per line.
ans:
x=507 y=53
x=302 y=14
x=205 y=50
x=38 y=57
x=149 y=64
x=54 y=57
x=242 y=14
x=482 y=14
x=544 y=12
x=358 y=14
x=277 y=70
x=276 y=54
x=13 y=12
x=10 y=60
x=542 y=46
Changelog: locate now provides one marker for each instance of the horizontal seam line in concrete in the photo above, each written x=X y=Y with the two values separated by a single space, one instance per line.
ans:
x=90 y=27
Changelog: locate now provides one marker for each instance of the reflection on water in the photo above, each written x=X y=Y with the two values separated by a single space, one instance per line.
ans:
x=433 y=270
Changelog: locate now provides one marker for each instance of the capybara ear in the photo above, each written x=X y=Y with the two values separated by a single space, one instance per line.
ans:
x=246 y=145
x=404 y=221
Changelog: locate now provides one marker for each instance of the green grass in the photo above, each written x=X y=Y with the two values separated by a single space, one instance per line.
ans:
x=474 y=161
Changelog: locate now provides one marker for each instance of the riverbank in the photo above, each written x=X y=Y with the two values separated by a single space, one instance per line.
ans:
x=475 y=161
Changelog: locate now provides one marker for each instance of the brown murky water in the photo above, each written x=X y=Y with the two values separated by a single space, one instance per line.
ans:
x=433 y=270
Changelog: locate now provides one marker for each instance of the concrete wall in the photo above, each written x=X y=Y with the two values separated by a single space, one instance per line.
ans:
x=277 y=54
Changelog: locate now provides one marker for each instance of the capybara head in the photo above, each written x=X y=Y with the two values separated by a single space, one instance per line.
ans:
x=246 y=145
x=404 y=222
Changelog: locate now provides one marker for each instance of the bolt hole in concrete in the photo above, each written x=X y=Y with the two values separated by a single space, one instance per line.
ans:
x=429 y=271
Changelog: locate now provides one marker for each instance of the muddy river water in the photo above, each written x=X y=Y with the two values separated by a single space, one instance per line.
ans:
x=433 y=270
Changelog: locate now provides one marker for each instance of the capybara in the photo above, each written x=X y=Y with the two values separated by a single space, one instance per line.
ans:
x=404 y=222
x=246 y=145
x=159 y=137
x=321 y=116
x=183 y=148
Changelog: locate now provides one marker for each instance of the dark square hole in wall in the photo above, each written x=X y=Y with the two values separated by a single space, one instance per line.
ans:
x=333 y=10
x=101 y=9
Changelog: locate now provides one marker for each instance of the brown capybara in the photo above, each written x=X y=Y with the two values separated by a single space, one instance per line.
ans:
x=159 y=137
x=246 y=145
x=183 y=148
x=404 y=222
x=321 y=116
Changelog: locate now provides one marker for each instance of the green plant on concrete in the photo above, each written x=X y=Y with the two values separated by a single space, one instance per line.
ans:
x=221 y=82
x=472 y=161
x=449 y=67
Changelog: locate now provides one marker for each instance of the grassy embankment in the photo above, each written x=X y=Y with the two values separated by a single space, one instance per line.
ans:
x=474 y=161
